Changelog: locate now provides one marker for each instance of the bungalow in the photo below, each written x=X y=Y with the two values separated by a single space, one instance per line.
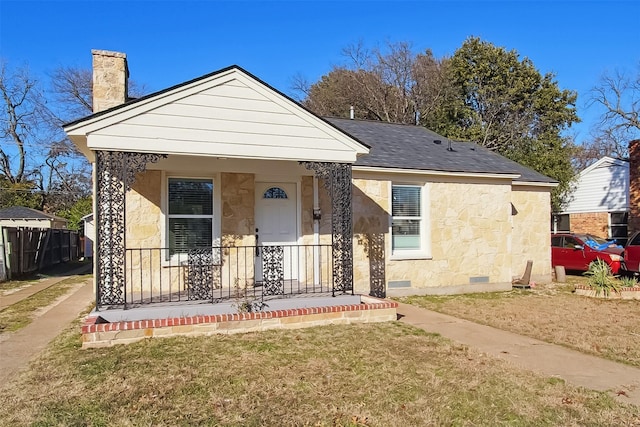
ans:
x=223 y=185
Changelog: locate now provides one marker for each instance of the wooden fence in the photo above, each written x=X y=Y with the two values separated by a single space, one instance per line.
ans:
x=27 y=250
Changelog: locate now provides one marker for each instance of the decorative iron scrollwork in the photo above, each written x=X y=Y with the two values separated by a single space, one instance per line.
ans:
x=375 y=252
x=200 y=274
x=272 y=270
x=337 y=181
x=115 y=172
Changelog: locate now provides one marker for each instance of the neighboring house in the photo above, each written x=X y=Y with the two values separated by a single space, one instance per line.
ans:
x=599 y=204
x=89 y=235
x=222 y=182
x=19 y=216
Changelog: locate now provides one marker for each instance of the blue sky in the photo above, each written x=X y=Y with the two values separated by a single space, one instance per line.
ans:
x=168 y=42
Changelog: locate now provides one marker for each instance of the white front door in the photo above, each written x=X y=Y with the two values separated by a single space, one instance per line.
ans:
x=277 y=224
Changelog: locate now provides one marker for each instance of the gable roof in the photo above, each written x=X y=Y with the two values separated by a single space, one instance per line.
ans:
x=604 y=162
x=400 y=146
x=601 y=187
x=228 y=113
x=21 y=212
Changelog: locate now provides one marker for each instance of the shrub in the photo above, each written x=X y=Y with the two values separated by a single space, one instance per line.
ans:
x=600 y=278
x=628 y=282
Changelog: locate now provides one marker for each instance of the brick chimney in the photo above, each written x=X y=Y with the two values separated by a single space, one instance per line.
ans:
x=110 y=76
x=634 y=186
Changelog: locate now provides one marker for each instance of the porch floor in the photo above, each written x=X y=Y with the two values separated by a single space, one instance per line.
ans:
x=185 y=308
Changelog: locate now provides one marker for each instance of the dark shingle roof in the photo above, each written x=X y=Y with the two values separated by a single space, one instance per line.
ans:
x=413 y=147
x=20 y=212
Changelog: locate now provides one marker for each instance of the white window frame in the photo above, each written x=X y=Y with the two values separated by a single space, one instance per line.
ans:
x=555 y=221
x=612 y=224
x=177 y=258
x=424 y=252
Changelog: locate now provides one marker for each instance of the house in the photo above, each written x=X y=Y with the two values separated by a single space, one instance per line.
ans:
x=19 y=216
x=223 y=184
x=89 y=235
x=599 y=204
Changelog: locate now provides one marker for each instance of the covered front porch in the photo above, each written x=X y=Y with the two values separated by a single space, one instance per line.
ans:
x=224 y=231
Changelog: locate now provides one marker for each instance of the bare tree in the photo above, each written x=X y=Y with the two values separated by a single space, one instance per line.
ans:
x=72 y=89
x=39 y=166
x=618 y=94
x=23 y=106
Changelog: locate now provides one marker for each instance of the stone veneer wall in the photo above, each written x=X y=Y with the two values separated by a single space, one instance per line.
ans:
x=470 y=237
x=144 y=210
x=531 y=239
x=371 y=212
x=470 y=233
x=472 y=244
x=596 y=223
x=109 y=81
x=144 y=230
x=238 y=226
x=238 y=209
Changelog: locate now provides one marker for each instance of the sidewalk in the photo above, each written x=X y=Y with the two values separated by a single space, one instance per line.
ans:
x=575 y=368
x=20 y=347
x=12 y=298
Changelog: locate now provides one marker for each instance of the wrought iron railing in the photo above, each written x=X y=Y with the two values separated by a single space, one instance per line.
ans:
x=218 y=274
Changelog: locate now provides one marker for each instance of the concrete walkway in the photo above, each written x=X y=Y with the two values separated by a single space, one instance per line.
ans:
x=17 y=349
x=17 y=296
x=621 y=381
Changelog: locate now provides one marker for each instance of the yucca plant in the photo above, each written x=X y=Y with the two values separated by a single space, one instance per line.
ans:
x=600 y=278
x=628 y=281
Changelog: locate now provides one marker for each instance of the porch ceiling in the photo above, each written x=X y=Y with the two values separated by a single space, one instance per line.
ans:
x=227 y=114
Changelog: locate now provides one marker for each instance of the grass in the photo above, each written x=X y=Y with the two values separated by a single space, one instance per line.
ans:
x=552 y=313
x=13 y=284
x=20 y=314
x=33 y=278
x=387 y=374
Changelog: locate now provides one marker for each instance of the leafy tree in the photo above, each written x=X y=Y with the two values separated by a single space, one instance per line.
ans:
x=22 y=193
x=505 y=104
x=483 y=94
x=76 y=211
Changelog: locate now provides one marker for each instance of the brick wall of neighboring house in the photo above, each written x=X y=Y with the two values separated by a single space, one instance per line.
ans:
x=634 y=186
x=596 y=223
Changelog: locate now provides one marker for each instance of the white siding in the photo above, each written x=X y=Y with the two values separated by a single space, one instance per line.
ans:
x=234 y=119
x=603 y=187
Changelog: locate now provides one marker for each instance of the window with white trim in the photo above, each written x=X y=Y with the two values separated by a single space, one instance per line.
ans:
x=407 y=225
x=189 y=214
x=560 y=223
x=618 y=226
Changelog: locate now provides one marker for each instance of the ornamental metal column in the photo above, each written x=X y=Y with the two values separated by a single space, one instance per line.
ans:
x=337 y=181
x=115 y=172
